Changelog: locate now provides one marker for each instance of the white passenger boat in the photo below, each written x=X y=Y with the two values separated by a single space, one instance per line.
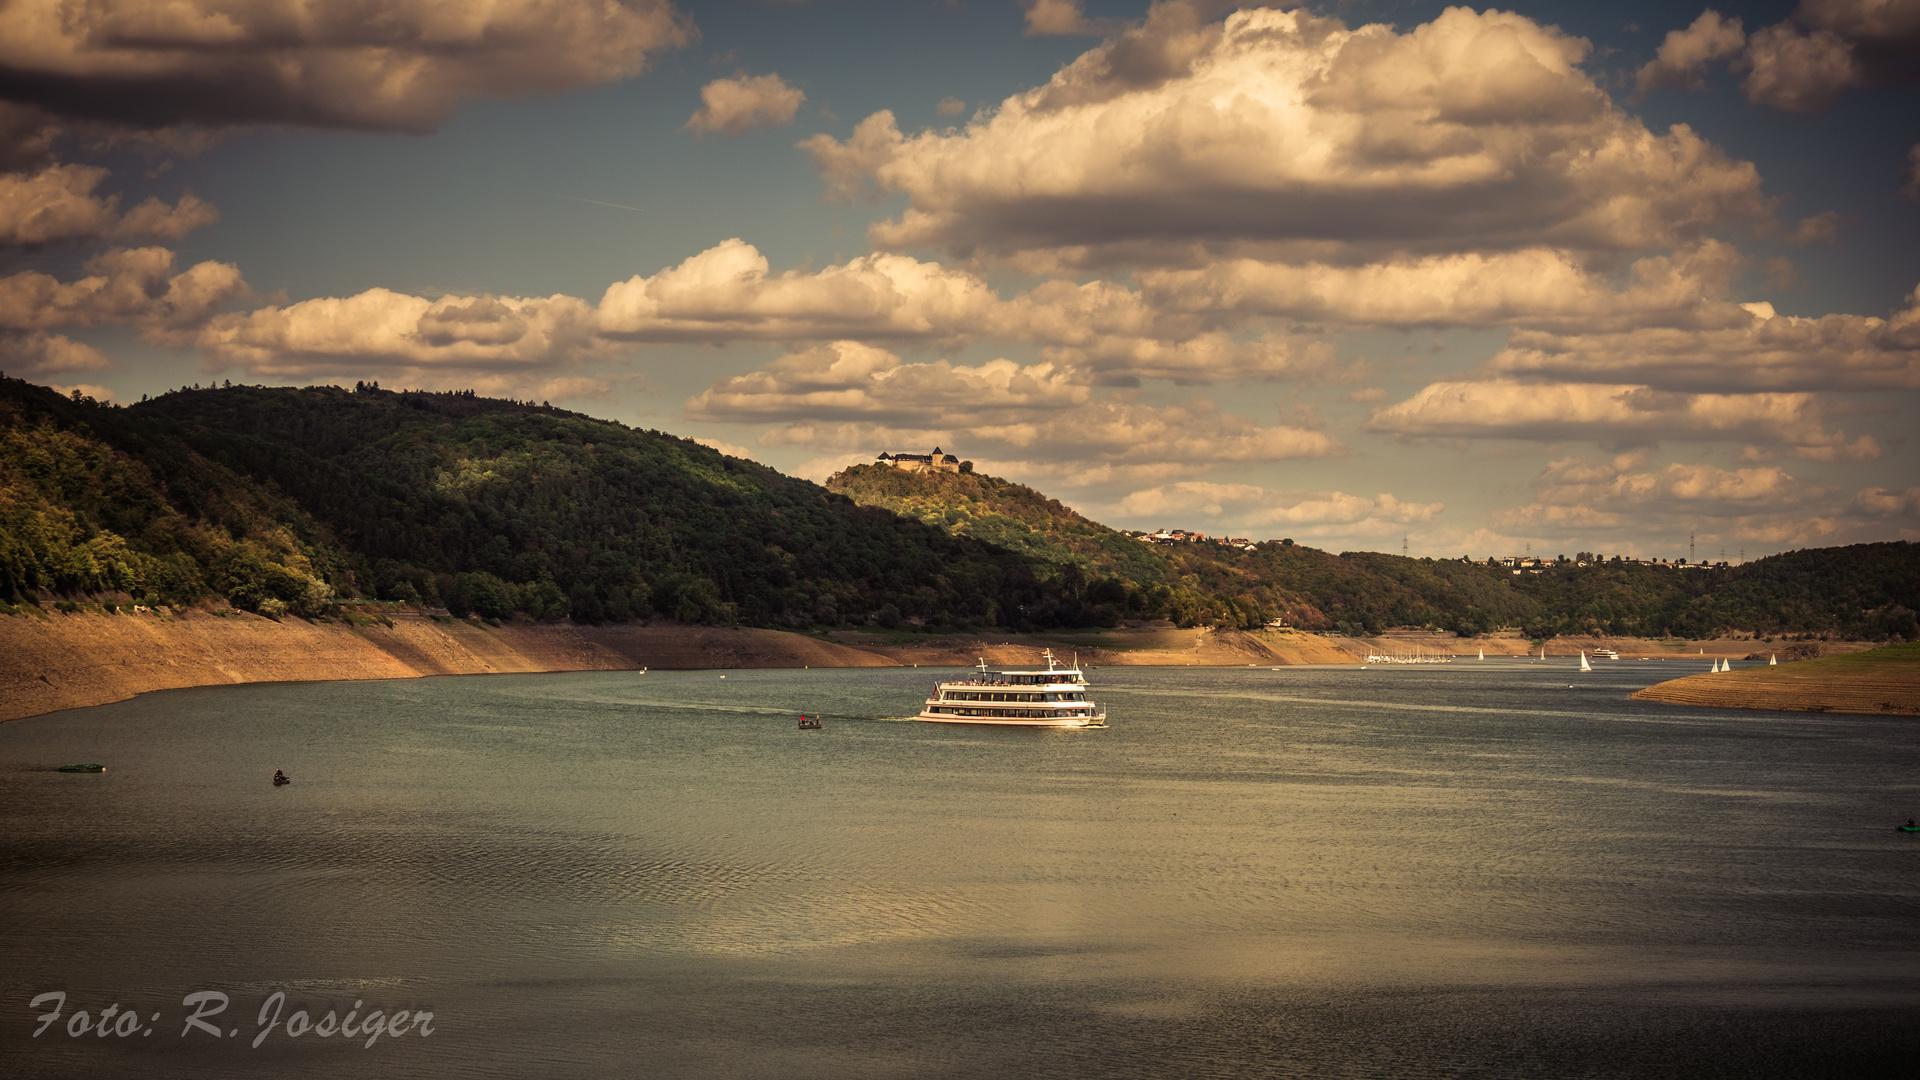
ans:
x=1605 y=654
x=1056 y=697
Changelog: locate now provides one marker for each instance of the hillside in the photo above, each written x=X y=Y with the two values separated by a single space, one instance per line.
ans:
x=93 y=501
x=283 y=500
x=1866 y=591
x=280 y=499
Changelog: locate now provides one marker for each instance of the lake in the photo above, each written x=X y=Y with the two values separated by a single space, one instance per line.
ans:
x=1499 y=868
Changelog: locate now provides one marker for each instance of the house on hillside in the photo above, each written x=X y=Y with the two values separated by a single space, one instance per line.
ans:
x=934 y=462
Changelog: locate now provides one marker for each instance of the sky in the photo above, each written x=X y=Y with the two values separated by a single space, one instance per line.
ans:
x=1635 y=278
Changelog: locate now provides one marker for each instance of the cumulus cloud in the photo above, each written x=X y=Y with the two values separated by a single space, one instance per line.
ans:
x=58 y=203
x=1880 y=503
x=741 y=102
x=1733 y=347
x=728 y=293
x=1249 y=505
x=1800 y=64
x=1910 y=176
x=1285 y=136
x=1534 y=287
x=1114 y=334
x=847 y=394
x=1062 y=17
x=1616 y=414
x=405 y=67
x=1579 y=496
x=1821 y=228
x=1797 y=70
x=384 y=331
x=36 y=354
x=849 y=380
x=1685 y=54
x=129 y=286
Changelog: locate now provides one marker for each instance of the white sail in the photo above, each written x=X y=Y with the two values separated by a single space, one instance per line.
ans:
x=1483 y=654
x=1773 y=661
x=1584 y=666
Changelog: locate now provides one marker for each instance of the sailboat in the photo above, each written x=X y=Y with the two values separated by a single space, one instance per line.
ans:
x=1773 y=660
x=1584 y=666
x=1483 y=654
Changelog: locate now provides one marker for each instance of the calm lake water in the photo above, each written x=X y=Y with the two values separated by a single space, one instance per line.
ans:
x=1485 y=869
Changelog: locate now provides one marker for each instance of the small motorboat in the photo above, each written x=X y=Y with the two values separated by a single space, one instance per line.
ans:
x=86 y=767
x=812 y=724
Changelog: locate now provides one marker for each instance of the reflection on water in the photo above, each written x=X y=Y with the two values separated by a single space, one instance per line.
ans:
x=1502 y=868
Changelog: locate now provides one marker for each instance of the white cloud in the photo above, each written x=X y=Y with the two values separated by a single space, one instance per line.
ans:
x=849 y=395
x=97 y=393
x=1821 y=228
x=1064 y=17
x=1800 y=64
x=1751 y=349
x=58 y=203
x=727 y=293
x=1685 y=54
x=383 y=331
x=402 y=67
x=1285 y=136
x=1536 y=287
x=727 y=448
x=131 y=286
x=1797 y=70
x=1615 y=414
x=1910 y=176
x=1881 y=503
x=848 y=380
x=1624 y=501
x=1249 y=505
x=736 y=104
x=36 y=354
x=1115 y=335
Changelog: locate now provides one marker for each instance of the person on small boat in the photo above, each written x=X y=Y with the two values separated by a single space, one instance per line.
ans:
x=280 y=778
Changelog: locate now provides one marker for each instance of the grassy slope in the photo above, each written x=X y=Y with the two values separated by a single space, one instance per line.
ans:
x=1883 y=680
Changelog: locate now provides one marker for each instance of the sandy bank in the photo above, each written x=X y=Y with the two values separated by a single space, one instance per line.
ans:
x=1885 y=681
x=58 y=661
x=51 y=660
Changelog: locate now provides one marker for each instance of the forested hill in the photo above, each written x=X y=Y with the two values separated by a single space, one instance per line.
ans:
x=484 y=506
x=287 y=500
x=1863 y=591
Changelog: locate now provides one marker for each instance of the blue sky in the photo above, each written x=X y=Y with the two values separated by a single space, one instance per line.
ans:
x=1346 y=272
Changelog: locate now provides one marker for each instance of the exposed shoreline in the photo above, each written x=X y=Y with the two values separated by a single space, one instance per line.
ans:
x=1884 y=682
x=52 y=660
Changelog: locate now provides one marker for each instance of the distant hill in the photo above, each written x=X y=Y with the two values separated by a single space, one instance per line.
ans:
x=285 y=500
x=1863 y=591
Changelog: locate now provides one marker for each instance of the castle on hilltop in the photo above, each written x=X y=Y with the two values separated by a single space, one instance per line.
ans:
x=934 y=462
